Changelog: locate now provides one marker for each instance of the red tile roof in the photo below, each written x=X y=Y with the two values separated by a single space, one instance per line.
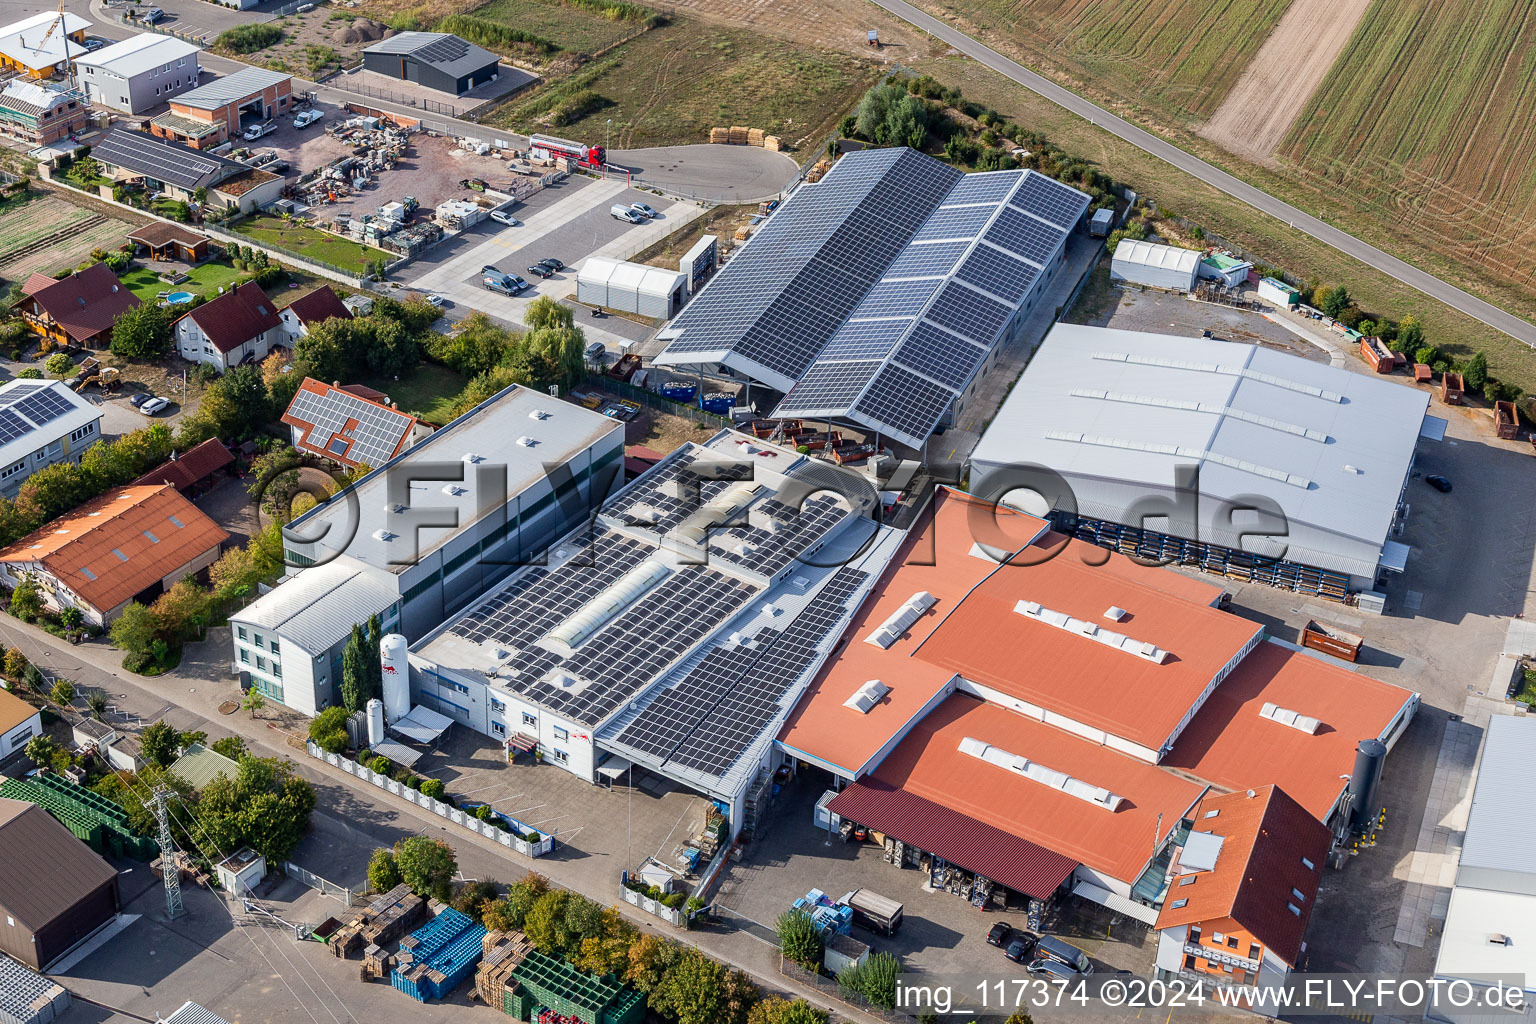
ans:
x=320 y=304
x=1117 y=841
x=1265 y=837
x=353 y=444
x=1232 y=745
x=191 y=466
x=37 y=281
x=123 y=542
x=364 y=391
x=86 y=302
x=236 y=317
x=973 y=845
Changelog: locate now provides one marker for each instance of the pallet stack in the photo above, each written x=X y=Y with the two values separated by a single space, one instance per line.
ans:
x=381 y=922
x=502 y=952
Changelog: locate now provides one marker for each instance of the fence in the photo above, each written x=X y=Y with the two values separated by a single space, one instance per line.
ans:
x=650 y=398
x=390 y=96
x=829 y=987
x=320 y=267
x=678 y=917
x=513 y=841
x=164 y=30
x=314 y=881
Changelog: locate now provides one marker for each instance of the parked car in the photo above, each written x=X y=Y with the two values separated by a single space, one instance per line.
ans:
x=1051 y=970
x=624 y=213
x=595 y=351
x=93 y=44
x=306 y=118
x=153 y=405
x=1000 y=935
x=504 y=218
x=140 y=398
x=1049 y=947
x=1020 y=948
x=152 y=15
x=1439 y=483
x=552 y=264
x=540 y=270
x=256 y=131
x=644 y=210
x=437 y=300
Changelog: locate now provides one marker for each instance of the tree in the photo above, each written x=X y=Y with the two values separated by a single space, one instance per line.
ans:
x=512 y=909
x=1410 y=334
x=182 y=611
x=232 y=747
x=799 y=939
x=874 y=979
x=782 y=1011
x=59 y=364
x=1336 y=301
x=1475 y=373
x=354 y=686
x=373 y=657
x=383 y=872
x=546 y=925
x=40 y=750
x=1426 y=354
x=906 y=122
x=1020 y=1018
x=329 y=730
x=27 y=599
x=649 y=961
x=15 y=664
x=266 y=806
x=143 y=331
x=873 y=116
x=561 y=349
x=237 y=404
x=695 y=991
x=96 y=703
x=427 y=865
x=546 y=312
x=607 y=952
x=135 y=630
x=473 y=898
x=63 y=693
x=158 y=743
x=71 y=617
x=253 y=701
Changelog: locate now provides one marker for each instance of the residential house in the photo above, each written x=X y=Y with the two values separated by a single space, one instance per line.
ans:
x=78 y=309
x=179 y=171
x=357 y=432
x=39 y=113
x=191 y=470
x=19 y=722
x=35 y=47
x=307 y=310
x=240 y=326
x=47 y=423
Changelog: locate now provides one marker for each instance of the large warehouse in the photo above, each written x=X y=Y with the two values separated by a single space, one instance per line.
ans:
x=1235 y=458
x=435 y=60
x=677 y=631
x=879 y=295
x=978 y=714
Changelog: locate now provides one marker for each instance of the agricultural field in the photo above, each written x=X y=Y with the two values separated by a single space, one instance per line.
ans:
x=569 y=27
x=310 y=243
x=672 y=84
x=1427 y=123
x=47 y=234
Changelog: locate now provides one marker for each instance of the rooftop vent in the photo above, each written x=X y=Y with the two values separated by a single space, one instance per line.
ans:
x=1294 y=719
x=867 y=696
x=901 y=620
x=1108 y=637
x=455 y=490
x=539 y=414
x=1036 y=772
x=398 y=509
x=526 y=441
x=383 y=535
x=1500 y=940
x=1116 y=614
x=473 y=458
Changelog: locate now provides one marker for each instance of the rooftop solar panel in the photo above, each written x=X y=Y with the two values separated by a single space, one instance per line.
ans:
x=1060 y=204
x=863 y=339
x=374 y=432
x=937 y=258
x=991 y=187
x=958 y=222
x=902 y=400
x=940 y=355
x=1020 y=233
x=829 y=386
x=12 y=426
x=969 y=313
x=42 y=406
x=997 y=272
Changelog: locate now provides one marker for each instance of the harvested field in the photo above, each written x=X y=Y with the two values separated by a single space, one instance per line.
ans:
x=1428 y=121
x=49 y=234
x=672 y=84
x=1282 y=76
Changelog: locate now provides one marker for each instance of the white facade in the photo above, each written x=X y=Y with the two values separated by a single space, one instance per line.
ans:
x=630 y=287
x=20 y=734
x=45 y=442
x=195 y=346
x=139 y=73
x=1154 y=265
x=1278 y=293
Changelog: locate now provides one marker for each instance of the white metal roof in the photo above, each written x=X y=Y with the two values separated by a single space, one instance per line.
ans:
x=1467 y=945
x=230 y=88
x=1500 y=834
x=318 y=606
x=192 y=1013
x=491 y=432
x=138 y=54
x=1151 y=254
x=1117 y=412
x=22 y=41
x=36 y=434
x=620 y=274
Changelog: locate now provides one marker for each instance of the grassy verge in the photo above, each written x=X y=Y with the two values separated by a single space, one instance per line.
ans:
x=672 y=84
x=311 y=243
x=427 y=392
x=565 y=25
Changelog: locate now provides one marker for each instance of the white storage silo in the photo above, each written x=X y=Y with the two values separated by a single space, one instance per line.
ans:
x=397 y=677
x=375 y=721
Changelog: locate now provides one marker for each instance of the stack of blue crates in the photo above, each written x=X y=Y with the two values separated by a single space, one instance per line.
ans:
x=826 y=913
x=438 y=956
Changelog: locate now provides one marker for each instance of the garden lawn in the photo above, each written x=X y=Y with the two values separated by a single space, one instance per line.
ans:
x=205 y=280
x=311 y=243
x=426 y=392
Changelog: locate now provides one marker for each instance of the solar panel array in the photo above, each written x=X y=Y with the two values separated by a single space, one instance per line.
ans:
x=771 y=309
x=159 y=159
x=42 y=406
x=919 y=336
x=27 y=405
x=719 y=708
x=375 y=432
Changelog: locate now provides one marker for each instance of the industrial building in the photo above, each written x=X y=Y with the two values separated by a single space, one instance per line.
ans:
x=630 y=287
x=1234 y=458
x=139 y=73
x=454 y=514
x=212 y=114
x=1490 y=925
x=48 y=423
x=39 y=113
x=676 y=632
x=1154 y=265
x=977 y=714
x=879 y=295
x=77 y=309
x=38 y=46
x=129 y=544
x=435 y=60
x=55 y=892
x=349 y=429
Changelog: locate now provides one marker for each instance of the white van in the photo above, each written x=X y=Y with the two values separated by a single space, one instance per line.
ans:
x=624 y=213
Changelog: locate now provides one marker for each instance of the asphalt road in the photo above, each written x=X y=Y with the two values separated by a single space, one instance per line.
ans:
x=1368 y=254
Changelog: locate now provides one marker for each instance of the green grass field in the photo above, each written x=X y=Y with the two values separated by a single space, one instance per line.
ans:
x=1428 y=121
x=1178 y=58
x=674 y=83
x=204 y=280
x=311 y=243
x=570 y=28
x=427 y=392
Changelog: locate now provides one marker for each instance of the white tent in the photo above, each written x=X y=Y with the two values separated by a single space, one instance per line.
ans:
x=630 y=287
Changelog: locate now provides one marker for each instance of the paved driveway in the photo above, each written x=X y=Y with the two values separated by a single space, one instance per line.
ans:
x=722 y=174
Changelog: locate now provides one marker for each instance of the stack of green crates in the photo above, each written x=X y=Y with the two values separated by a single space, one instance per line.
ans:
x=97 y=821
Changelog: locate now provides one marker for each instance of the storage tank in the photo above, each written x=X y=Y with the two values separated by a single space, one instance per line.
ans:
x=375 y=721
x=397 y=677
x=1369 y=757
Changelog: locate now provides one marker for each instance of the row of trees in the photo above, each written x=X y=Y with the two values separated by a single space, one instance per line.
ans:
x=550 y=351
x=361 y=671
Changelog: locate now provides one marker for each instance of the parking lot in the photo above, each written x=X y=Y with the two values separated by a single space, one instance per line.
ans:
x=568 y=221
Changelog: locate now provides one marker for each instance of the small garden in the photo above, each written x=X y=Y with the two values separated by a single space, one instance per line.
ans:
x=311 y=243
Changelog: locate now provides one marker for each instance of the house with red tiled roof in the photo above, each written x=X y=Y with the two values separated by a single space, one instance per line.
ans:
x=333 y=422
x=240 y=326
x=307 y=310
x=78 y=309
x=129 y=544
x=1241 y=889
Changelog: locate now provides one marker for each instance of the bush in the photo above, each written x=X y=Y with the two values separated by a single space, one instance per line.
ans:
x=493 y=35
x=248 y=38
x=799 y=939
x=380 y=765
x=383 y=872
x=432 y=788
x=483 y=812
x=59 y=364
x=874 y=980
x=30 y=373
x=673 y=900
x=328 y=730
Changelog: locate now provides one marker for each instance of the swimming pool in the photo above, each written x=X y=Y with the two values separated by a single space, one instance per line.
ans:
x=179 y=298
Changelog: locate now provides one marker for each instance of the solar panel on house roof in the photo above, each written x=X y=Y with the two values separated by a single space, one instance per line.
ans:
x=42 y=406
x=374 y=432
x=161 y=160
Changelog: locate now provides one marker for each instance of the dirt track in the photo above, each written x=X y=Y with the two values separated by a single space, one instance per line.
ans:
x=1255 y=116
